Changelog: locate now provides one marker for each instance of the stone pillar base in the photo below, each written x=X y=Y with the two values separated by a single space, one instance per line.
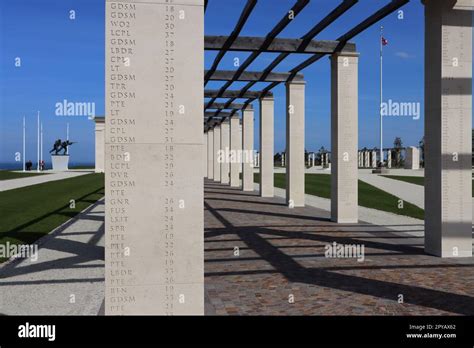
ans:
x=60 y=163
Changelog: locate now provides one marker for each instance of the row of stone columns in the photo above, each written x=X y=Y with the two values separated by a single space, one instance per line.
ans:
x=448 y=124
x=368 y=158
x=344 y=143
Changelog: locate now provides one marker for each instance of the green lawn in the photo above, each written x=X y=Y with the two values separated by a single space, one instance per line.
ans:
x=369 y=196
x=417 y=180
x=8 y=175
x=31 y=212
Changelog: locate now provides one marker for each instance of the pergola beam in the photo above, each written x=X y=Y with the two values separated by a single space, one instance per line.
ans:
x=278 y=45
x=257 y=76
x=212 y=93
x=305 y=43
x=295 y=10
x=306 y=39
x=222 y=106
x=208 y=114
x=368 y=22
x=230 y=39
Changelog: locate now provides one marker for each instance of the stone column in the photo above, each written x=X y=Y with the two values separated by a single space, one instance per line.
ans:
x=153 y=201
x=448 y=124
x=204 y=149
x=236 y=150
x=240 y=146
x=295 y=120
x=360 y=159
x=210 y=153
x=217 y=152
x=99 y=144
x=283 y=162
x=412 y=159
x=389 y=158
x=247 y=146
x=344 y=138
x=266 y=146
x=225 y=147
x=374 y=159
x=366 y=159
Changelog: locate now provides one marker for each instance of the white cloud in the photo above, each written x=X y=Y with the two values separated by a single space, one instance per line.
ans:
x=404 y=55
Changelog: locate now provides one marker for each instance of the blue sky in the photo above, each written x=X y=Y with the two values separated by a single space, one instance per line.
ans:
x=64 y=59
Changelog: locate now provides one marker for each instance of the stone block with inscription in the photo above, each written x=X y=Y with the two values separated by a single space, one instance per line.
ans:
x=154 y=203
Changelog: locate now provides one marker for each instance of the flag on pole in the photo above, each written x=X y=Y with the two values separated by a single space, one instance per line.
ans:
x=384 y=41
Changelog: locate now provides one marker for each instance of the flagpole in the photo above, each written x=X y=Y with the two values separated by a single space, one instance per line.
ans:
x=38 y=145
x=41 y=143
x=24 y=143
x=381 y=96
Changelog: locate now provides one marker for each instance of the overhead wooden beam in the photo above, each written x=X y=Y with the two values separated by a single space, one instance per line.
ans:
x=228 y=75
x=277 y=29
x=235 y=33
x=212 y=93
x=368 y=22
x=306 y=39
x=223 y=106
x=278 y=45
x=208 y=114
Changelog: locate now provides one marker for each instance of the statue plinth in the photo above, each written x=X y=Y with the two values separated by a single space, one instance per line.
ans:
x=60 y=163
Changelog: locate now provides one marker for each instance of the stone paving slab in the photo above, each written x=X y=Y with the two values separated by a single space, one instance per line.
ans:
x=282 y=256
x=68 y=276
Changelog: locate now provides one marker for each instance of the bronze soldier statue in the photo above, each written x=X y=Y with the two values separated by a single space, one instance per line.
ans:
x=61 y=145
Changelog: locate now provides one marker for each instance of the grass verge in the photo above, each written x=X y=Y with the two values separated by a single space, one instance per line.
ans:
x=369 y=196
x=9 y=175
x=31 y=212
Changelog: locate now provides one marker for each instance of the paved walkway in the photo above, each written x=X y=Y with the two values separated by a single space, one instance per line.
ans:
x=39 y=179
x=282 y=258
x=68 y=276
x=408 y=192
x=373 y=216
